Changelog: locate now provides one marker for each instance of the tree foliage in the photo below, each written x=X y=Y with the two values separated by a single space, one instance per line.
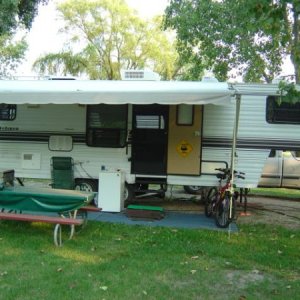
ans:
x=251 y=37
x=107 y=36
x=14 y=13
x=11 y=54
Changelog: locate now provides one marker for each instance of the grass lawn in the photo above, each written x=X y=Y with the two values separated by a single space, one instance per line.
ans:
x=108 y=261
x=276 y=192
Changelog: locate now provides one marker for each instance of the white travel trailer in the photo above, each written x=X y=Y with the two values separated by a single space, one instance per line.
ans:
x=159 y=132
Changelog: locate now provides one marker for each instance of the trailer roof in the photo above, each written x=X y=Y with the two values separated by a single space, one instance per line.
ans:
x=113 y=92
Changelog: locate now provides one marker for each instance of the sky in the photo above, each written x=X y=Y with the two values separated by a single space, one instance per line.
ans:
x=44 y=37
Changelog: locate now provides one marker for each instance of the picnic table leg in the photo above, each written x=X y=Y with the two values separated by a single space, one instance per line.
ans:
x=57 y=235
x=72 y=231
x=80 y=215
x=58 y=227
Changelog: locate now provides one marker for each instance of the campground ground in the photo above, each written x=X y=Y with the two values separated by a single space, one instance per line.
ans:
x=116 y=261
x=260 y=210
x=281 y=212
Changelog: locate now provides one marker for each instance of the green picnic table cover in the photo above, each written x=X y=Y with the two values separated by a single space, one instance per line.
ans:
x=43 y=199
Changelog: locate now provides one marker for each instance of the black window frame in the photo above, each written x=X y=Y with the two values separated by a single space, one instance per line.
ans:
x=280 y=112
x=8 y=112
x=272 y=153
x=103 y=136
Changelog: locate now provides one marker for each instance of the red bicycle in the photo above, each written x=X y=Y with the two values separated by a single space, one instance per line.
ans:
x=220 y=201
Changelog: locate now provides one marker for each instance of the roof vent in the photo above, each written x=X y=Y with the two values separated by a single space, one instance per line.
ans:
x=139 y=75
x=209 y=77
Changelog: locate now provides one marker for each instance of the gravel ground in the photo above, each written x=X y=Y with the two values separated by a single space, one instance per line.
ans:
x=273 y=211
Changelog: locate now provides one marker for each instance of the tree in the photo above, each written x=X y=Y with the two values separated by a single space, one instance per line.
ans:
x=108 y=37
x=14 y=13
x=251 y=37
x=11 y=54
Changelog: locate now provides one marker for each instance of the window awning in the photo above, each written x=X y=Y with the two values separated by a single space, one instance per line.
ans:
x=113 y=92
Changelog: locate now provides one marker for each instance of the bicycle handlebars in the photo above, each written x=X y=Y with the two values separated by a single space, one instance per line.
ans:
x=227 y=171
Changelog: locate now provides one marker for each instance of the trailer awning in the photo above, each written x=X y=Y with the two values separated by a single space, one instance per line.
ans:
x=113 y=92
x=252 y=89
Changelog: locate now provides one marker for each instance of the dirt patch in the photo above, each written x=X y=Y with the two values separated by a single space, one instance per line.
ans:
x=242 y=278
x=271 y=211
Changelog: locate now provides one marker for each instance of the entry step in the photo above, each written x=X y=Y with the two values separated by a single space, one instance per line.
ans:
x=150 y=180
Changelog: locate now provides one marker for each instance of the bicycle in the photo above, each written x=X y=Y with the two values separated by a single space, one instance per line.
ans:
x=219 y=199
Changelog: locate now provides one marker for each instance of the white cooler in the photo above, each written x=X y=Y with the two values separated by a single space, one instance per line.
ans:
x=111 y=191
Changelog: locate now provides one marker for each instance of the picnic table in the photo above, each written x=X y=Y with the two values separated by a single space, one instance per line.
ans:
x=35 y=205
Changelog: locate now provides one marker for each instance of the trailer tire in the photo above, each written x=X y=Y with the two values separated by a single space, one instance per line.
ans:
x=128 y=193
x=87 y=185
x=192 y=189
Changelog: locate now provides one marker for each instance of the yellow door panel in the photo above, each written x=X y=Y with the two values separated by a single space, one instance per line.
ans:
x=184 y=142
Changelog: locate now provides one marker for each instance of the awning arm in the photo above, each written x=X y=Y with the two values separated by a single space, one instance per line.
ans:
x=233 y=149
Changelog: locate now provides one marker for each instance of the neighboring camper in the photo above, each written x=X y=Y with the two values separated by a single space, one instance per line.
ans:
x=149 y=131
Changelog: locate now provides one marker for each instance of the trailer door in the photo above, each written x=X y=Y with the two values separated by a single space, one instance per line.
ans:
x=184 y=142
x=149 y=139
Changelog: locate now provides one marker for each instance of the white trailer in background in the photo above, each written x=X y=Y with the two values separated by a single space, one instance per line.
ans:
x=159 y=132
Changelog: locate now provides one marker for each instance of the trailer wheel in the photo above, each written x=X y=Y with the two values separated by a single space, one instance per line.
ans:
x=192 y=189
x=128 y=193
x=87 y=185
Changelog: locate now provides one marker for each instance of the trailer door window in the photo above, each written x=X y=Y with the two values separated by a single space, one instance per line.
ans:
x=8 y=112
x=284 y=113
x=185 y=115
x=106 y=125
x=150 y=122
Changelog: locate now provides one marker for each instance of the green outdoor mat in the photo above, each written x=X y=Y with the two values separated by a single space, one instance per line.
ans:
x=145 y=212
x=145 y=207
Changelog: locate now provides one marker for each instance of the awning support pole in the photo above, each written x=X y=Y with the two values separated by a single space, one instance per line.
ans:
x=233 y=149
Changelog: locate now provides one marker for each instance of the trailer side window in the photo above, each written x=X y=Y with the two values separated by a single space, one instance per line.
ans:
x=284 y=113
x=106 y=125
x=8 y=112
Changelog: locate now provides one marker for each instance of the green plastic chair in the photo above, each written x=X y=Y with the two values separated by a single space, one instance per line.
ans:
x=62 y=173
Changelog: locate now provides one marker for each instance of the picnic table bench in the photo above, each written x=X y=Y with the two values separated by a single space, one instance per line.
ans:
x=59 y=221
x=71 y=207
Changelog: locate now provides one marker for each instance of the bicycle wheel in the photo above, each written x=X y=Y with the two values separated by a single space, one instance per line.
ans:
x=223 y=211
x=210 y=201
